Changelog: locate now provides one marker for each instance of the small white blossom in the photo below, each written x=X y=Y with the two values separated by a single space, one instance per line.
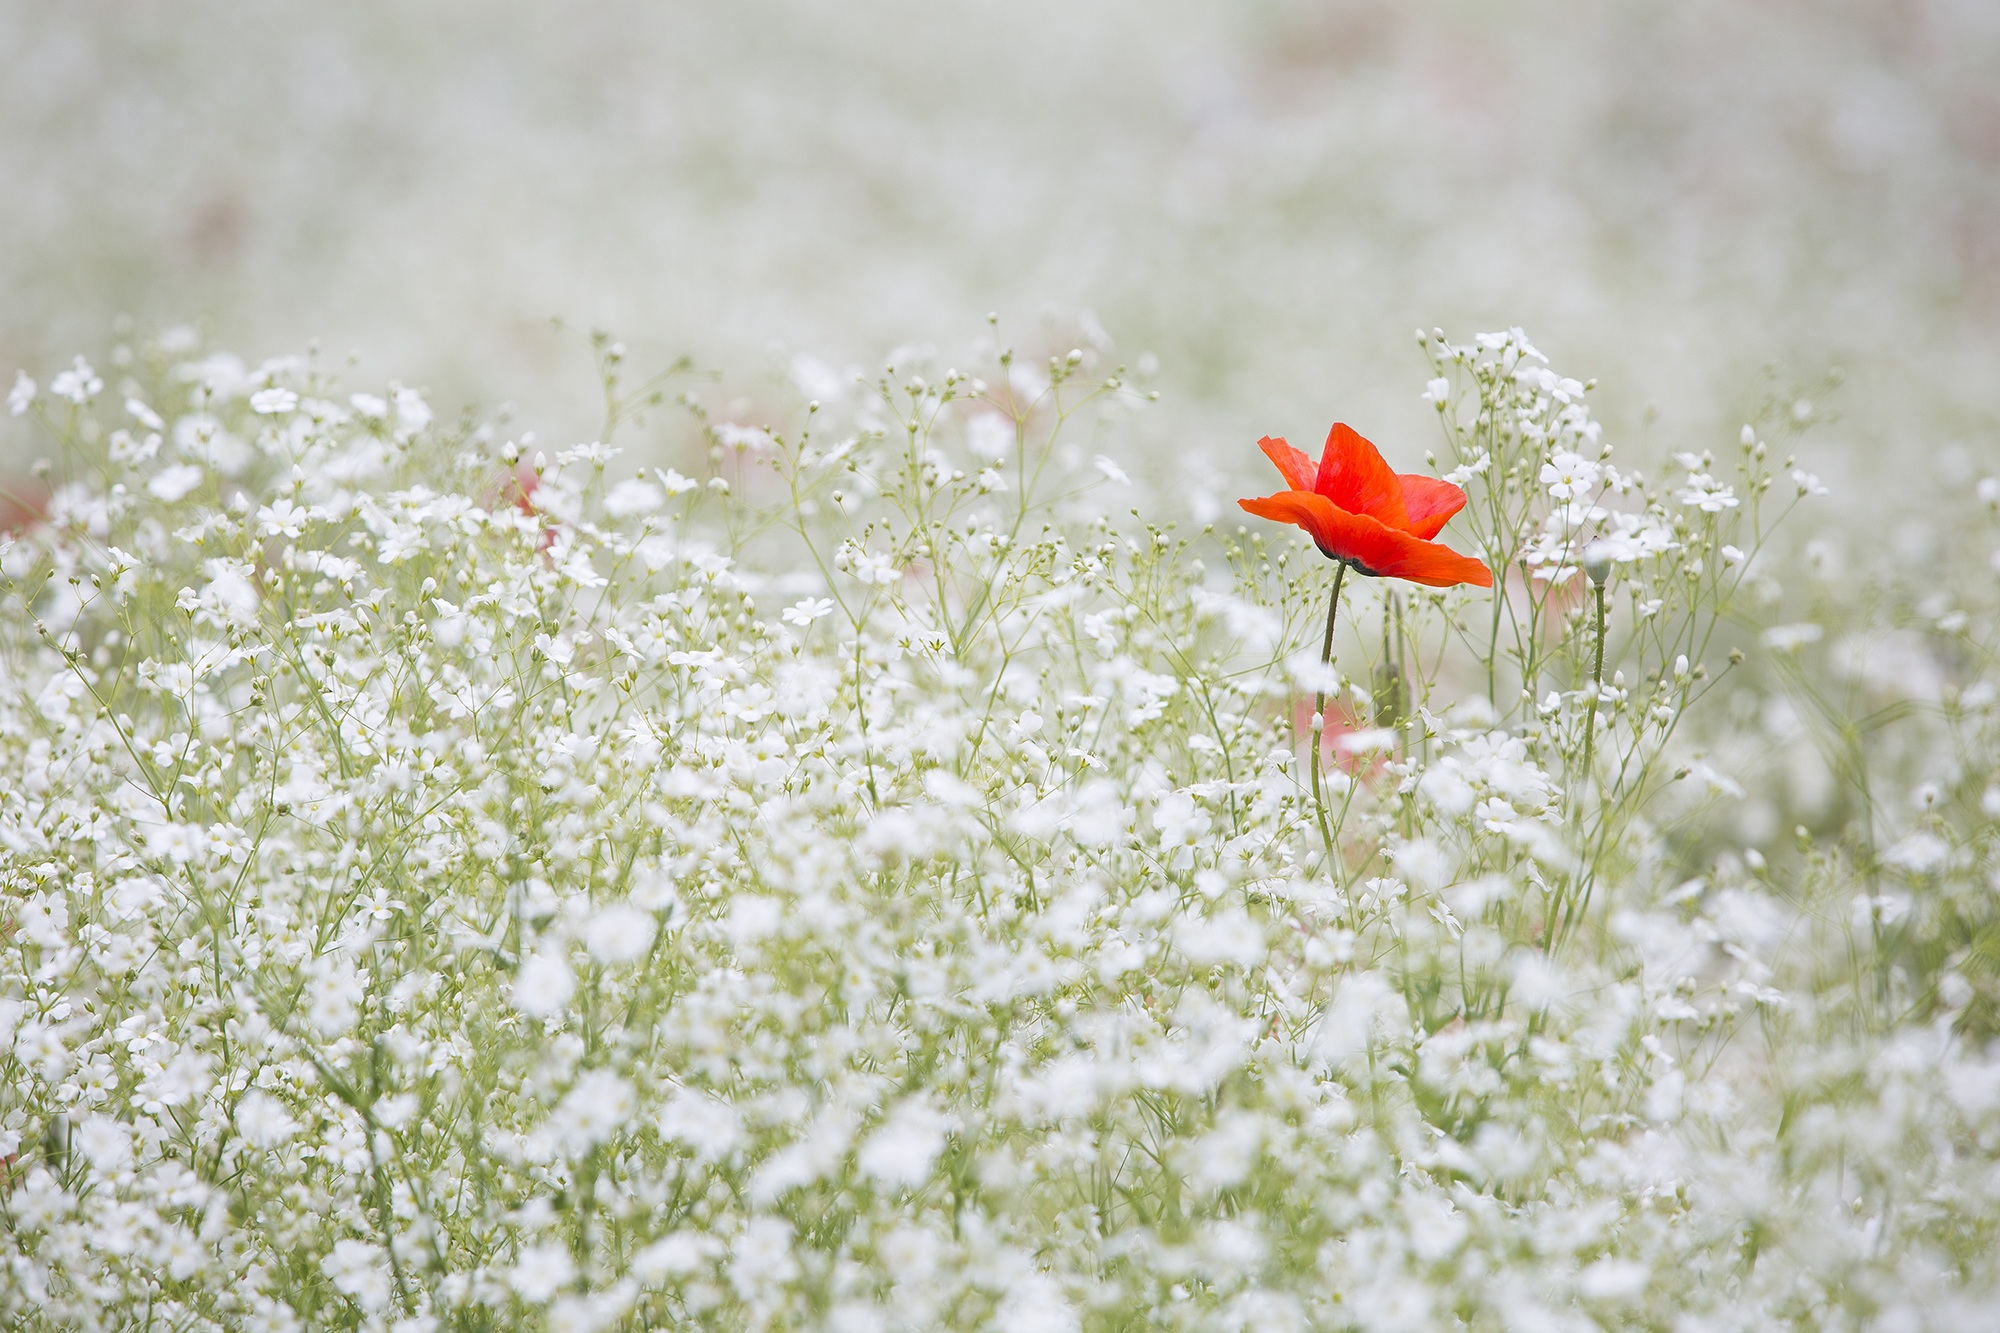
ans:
x=807 y=611
x=79 y=384
x=544 y=984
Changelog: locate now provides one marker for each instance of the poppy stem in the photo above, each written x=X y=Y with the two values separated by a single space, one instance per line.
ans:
x=1319 y=714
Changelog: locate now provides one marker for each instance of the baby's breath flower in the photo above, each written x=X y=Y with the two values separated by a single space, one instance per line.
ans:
x=433 y=893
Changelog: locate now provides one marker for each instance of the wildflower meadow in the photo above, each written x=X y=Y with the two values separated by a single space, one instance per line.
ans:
x=900 y=868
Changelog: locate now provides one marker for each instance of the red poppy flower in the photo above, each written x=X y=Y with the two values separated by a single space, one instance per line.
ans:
x=1359 y=512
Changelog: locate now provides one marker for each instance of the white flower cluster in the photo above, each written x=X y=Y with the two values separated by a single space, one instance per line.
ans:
x=840 y=891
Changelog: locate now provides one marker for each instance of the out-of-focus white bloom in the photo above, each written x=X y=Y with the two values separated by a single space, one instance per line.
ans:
x=337 y=991
x=541 y=1272
x=675 y=1256
x=1705 y=493
x=619 y=933
x=633 y=496
x=1919 y=853
x=742 y=437
x=413 y=414
x=79 y=384
x=22 y=395
x=595 y=1108
x=901 y=1152
x=105 y=1142
x=1466 y=471
x=544 y=983
x=989 y=435
x=1791 y=638
x=263 y=1120
x=273 y=401
x=711 y=1129
x=761 y=1256
x=360 y=1270
x=1035 y=1304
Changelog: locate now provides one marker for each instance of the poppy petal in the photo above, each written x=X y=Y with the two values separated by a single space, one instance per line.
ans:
x=1295 y=464
x=1369 y=543
x=1430 y=503
x=1304 y=509
x=1354 y=476
x=1433 y=565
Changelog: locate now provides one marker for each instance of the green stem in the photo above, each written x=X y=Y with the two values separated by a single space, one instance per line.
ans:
x=1573 y=909
x=1596 y=685
x=1319 y=715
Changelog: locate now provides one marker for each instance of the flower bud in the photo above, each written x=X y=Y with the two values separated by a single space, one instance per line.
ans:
x=1597 y=562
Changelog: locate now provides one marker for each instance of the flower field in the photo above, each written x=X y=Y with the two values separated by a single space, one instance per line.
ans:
x=898 y=871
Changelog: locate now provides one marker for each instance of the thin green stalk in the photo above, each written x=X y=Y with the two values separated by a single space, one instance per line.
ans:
x=1573 y=909
x=1319 y=715
x=1596 y=684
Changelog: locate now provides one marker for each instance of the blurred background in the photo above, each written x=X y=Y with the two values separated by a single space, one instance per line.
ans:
x=1266 y=195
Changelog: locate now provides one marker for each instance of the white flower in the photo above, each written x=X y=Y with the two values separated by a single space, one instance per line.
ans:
x=544 y=984
x=1919 y=853
x=633 y=496
x=79 y=384
x=712 y=1129
x=361 y=1271
x=21 y=395
x=807 y=611
x=105 y=1142
x=369 y=406
x=901 y=1152
x=1790 y=638
x=989 y=435
x=762 y=1255
x=742 y=437
x=1035 y=1304
x=1183 y=825
x=675 y=1255
x=1438 y=391
x=263 y=1120
x=619 y=933
x=412 y=412
x=1569 y=476
x=282 y=518
x=1613 y=1280
x=273 y=401
x=1705 y=493
x=541 y=1272
x=594 y=1109
x=336 y=996
x=1111 y=471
